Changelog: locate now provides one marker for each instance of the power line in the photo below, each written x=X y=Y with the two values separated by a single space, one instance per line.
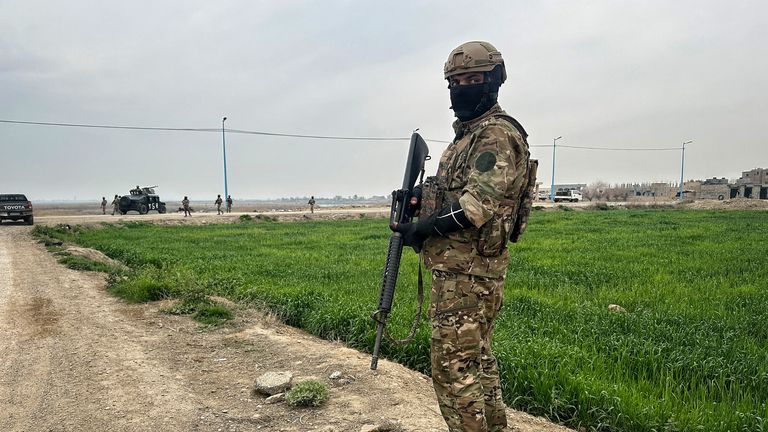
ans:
x=329 y=137
x=292 y=135
x=95 y=126
x=619 y=148
x=216 y=130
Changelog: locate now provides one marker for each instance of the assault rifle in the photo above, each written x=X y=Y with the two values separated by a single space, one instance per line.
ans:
x=402 y=211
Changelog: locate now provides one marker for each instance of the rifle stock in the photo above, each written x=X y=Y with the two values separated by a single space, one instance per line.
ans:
x=400 y=212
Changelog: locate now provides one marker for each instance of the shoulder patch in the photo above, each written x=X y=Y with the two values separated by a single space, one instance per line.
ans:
x=485 y=162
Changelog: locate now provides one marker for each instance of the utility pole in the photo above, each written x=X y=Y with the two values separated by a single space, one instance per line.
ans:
x=552 y=191
x=682 y=169
x=224 y=146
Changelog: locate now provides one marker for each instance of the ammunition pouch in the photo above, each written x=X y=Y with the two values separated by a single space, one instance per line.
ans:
x=507 y=224
x=511 y=219
x=526 y=201
x=494 y=234
x=432 y=196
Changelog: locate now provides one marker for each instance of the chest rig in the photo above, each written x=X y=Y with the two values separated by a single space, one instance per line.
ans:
x=510 y=220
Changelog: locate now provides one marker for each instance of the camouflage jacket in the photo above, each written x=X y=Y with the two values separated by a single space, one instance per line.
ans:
x=484 y=168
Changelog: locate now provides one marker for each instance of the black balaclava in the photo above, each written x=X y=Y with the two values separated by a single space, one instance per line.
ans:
x=470 y=101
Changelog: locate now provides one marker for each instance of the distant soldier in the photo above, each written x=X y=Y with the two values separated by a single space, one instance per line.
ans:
x=115 y=205
x=229 y=203
x=218 y=205
x=103 y=205
x=185 y=204
x=311 y=203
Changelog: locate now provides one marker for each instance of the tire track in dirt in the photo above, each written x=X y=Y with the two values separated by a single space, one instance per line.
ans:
x=65 y=362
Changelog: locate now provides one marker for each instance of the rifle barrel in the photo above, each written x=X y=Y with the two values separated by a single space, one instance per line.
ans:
x=388 y=284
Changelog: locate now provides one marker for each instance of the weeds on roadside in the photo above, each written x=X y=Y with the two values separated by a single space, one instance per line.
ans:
x=651 y=206
x=76 y=262
x=148 y=283
x=600 y=205
x=310 y=393
x=212 y=314
x=194 y=301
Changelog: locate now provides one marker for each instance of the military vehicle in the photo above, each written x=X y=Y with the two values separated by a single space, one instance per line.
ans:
x=141 y=200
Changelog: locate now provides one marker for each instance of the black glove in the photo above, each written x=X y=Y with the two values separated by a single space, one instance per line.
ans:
x=414 y=234
x=414 y=202
x=448 y=220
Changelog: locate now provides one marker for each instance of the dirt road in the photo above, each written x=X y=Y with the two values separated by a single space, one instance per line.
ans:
x=73 y=358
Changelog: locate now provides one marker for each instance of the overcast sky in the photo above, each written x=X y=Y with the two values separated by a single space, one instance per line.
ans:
x=629 y=74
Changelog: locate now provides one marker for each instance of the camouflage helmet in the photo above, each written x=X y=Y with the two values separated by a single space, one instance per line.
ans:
x=475 y=56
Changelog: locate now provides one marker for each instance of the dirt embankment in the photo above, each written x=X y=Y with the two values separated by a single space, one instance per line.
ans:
x=731 y=204
x=79 y=216
x=74 y=358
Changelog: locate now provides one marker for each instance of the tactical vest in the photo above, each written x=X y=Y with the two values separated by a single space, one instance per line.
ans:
x=510 y=220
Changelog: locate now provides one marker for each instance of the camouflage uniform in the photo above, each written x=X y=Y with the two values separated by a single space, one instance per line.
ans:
x=311 y=203
x=218 y=205
x=484 y=169
x=185 y=204
x=115 y=205
x=103 y=205
x=229 y=203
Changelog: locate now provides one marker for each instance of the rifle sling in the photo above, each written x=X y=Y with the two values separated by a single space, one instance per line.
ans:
x=416 y=318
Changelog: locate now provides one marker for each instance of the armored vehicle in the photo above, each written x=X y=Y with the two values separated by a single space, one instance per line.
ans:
x=141 y=200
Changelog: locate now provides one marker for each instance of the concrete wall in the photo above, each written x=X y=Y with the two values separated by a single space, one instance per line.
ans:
x=714 y=192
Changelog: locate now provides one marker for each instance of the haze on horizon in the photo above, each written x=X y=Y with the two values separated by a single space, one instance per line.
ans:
x=600 y=74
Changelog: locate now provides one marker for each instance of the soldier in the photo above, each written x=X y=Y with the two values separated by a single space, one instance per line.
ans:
x=185 y=204
x=463 y=238
x=115 y=205
x=218 y=205
x=311 y=203
x=229 y=203
x=103 y=205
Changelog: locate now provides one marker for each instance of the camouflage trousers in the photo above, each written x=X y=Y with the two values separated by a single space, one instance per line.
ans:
x=462 y=310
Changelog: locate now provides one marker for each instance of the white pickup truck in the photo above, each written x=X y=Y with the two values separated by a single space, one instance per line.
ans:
x=560 y=196
x=570 y=196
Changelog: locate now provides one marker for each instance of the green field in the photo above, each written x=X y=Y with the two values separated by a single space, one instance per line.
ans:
x=691 y=354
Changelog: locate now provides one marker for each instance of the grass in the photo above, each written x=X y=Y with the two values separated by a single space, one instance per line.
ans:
x=309 y=393
x=76 y=262
x=691 y=354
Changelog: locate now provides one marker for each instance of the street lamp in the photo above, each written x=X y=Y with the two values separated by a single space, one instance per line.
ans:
x=552 y=191
x=224 y=146
x=682 y=169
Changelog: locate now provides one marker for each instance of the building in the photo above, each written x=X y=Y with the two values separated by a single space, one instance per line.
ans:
x=757 y=176
x=715 y=189
x=753 y=184
x=656 y=190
